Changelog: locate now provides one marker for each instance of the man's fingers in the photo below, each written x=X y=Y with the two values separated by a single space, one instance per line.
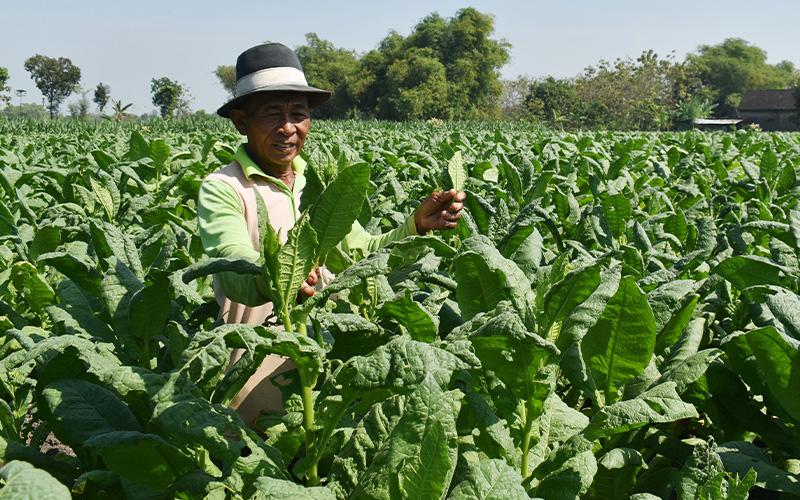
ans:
x=449 y=217
x=460 y=196
x=455 y=207
x=445 y=197
x=307 y=290
x=312 y=279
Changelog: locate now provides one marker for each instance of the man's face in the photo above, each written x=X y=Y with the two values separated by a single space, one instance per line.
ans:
x=276 y=125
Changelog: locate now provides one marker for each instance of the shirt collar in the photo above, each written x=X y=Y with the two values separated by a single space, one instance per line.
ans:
x=249 y=167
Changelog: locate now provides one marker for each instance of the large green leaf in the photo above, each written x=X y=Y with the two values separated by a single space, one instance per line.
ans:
x=456 y=171
x=490 y=479
x=515 y=355
x=110 y=241
x=401 y=364
x=778 y=359
x=619 y=346
x=616 y=212
x=418 y=458
x=215 y=265
x=418 y=321
x=157 y=463
x=576 y=287
x=338 y=207
x=79 y=268
x=79 y=410
x=740 y=457
x=295 y=260
x=269 y=488
x=748 y=270
x=21 y=480
x=657 y=405
x=491 y=278
x=31 y=285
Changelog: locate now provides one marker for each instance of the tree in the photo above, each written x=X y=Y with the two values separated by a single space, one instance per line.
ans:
x=416 y=88
x=3 y=87
x=473 y=61
x=102 y=93
x=734 y=67
x=55 y=78
x=169 y=96
x=79 y=108
x=331 y=68
x=633 y=94
x=28 y=110
x=227 y=77
x=554 y=100
x=512 y=99
x=462 y=45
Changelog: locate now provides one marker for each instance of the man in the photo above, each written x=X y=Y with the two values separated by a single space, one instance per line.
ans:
x=272 y=108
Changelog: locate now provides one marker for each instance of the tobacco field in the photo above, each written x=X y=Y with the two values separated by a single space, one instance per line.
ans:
x=617 y=316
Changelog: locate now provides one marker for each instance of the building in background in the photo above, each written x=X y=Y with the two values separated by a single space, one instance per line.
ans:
x=771 y=109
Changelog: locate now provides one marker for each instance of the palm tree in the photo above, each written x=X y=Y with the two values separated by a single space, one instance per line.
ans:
x=118 y=111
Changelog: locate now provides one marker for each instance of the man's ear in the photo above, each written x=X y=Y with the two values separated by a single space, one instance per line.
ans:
x=239 y=119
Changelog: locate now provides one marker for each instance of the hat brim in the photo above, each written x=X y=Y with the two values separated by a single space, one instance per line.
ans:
x=316 y=97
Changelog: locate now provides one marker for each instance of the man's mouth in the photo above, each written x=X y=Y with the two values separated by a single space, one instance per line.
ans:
x=283 y=147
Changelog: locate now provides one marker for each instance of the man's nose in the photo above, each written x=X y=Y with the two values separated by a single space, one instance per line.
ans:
x=287 y=126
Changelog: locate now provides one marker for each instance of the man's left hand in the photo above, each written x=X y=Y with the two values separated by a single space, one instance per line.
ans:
x=441 y=210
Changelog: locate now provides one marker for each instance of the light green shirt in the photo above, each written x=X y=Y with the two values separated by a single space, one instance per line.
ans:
x=224 y=233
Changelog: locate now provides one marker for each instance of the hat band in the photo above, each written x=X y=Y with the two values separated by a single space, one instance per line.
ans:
x=269 y=77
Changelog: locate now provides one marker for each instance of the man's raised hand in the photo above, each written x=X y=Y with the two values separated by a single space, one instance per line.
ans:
x=441 y=210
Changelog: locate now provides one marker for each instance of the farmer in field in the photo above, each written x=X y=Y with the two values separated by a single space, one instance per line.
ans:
x=272 y=108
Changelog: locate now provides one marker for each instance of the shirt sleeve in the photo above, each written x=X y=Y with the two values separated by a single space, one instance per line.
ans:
x=223 y=233
x=359 y=238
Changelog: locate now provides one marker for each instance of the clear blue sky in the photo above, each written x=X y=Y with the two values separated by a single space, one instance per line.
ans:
x=125 y=44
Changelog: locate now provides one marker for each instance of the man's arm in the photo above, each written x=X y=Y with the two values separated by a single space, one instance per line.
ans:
x=223 y=232
x=359 y=238
x=441 y=210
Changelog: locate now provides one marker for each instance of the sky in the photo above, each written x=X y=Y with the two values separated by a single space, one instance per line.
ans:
x=126 y=44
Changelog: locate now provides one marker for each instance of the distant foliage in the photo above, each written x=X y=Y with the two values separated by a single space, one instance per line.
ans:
x=55 y=78
x=334 y=69
x=24 y=110
x=169 y=96
x=227 y=77
x=733 y=67
x=4 y=96
x=102 y=93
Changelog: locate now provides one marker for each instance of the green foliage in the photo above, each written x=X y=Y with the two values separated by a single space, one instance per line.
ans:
x=3 y=85
x=330 y=68
x=615 y=317
x=446 y=68
x=55 y=78
x=226 y=75
x=735 y=66
x=169 y=96
x=102 y=94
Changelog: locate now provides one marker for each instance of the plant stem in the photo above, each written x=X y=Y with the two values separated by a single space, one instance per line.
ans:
x=287 y=322
x=528 y=415
x=308 y=426
x=328 y=430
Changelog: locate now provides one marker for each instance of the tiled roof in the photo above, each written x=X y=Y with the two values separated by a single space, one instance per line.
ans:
x=768 y=100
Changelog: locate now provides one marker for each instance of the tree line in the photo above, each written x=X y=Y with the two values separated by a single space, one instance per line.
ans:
x=58 y=78
x=449 y=68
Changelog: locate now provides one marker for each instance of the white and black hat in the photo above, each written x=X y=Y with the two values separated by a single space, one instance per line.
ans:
x=268 y=68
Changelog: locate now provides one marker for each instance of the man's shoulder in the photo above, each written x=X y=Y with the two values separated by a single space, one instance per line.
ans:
x=230 y=171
